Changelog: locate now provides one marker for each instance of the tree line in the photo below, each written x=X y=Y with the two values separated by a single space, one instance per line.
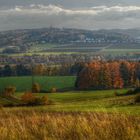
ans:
x=40 y=70
x=107 y=75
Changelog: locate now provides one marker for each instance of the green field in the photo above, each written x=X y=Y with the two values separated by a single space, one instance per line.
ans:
x=85 y=101
x=96 y=100
x=92 y=101
x=24 y=83
x=110 y=51
x=41 y=47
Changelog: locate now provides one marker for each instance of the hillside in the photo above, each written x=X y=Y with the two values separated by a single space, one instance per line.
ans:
x=21 y=40
x=81 y=101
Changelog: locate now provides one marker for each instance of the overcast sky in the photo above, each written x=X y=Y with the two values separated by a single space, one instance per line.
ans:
x=85 y=14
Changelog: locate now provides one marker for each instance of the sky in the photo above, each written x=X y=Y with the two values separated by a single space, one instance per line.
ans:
x=82 y=14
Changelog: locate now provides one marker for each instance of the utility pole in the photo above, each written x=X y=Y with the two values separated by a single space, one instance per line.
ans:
x=32 y=76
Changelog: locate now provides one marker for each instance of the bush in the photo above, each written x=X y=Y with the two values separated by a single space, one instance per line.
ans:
x=30 y=99
x=137 y=98
x=53 y=90
x=137 y=90
x=129 y=92
x=36 y=88
x=41 y=101
x=45 y=99
x=9 y=91
x=117 y=93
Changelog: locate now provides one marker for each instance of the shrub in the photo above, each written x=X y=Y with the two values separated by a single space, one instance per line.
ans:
x=9 y=91
x=129 y=92
x=137 y=90
x=117 y=93
x=28 y=98
x=45 y=99
x=36 y=88
x=53 y=90
x=137 y=98
x=41 y=101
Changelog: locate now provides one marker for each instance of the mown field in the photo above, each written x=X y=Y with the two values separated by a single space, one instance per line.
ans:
x=46 y=83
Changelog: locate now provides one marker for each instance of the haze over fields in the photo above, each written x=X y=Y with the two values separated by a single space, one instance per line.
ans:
x=89 y=14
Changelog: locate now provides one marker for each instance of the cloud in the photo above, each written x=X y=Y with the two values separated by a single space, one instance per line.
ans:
x=56 y=10
x=34 y=16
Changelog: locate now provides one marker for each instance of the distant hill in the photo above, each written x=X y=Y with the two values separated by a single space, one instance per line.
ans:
x=56 y=35
x=21 y=40
x=134 y=33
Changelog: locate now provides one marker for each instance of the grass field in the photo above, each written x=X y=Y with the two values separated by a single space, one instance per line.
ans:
x=101 y=100
x=75 y=115
x=94 y=101
x=110 y=51
x=24 y=83
x=85 y=101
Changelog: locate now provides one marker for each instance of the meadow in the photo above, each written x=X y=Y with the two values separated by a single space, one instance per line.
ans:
x=75 y=115
x=80 y=101
x=46 y=82
x=72 y=115
x=67 y=99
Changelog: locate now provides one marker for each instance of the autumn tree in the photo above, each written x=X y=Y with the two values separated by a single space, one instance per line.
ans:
x=125 y=73
x=39 y=69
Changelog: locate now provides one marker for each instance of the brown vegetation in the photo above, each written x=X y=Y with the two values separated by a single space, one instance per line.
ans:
x=53 y=90
x=9 y=91
x=32 y=125
x=30 y=99
x=137 y=98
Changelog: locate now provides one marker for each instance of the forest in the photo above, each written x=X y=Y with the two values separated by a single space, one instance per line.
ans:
x=109 y=75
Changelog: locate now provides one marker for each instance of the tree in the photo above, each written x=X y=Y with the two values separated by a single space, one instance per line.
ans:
x=137 y=83
x=35 y=88
x=125 y=74
x=100 y=75
x=39 y=69
x=7 y=70
x=83 y=80
x=105 y=77
x=22 y=70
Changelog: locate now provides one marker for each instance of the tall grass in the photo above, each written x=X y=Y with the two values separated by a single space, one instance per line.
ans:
x=35 y=125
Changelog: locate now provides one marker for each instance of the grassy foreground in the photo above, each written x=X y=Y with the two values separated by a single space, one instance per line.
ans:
x=30 y=125
x=75 y=115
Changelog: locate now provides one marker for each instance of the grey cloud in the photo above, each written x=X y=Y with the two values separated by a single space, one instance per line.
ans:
x=69 y=3
x=37 y=16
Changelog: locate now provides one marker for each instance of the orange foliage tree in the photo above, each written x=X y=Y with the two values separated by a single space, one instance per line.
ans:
x=107 y=75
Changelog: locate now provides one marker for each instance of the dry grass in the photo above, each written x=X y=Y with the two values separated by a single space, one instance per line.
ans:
x=31 y=125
